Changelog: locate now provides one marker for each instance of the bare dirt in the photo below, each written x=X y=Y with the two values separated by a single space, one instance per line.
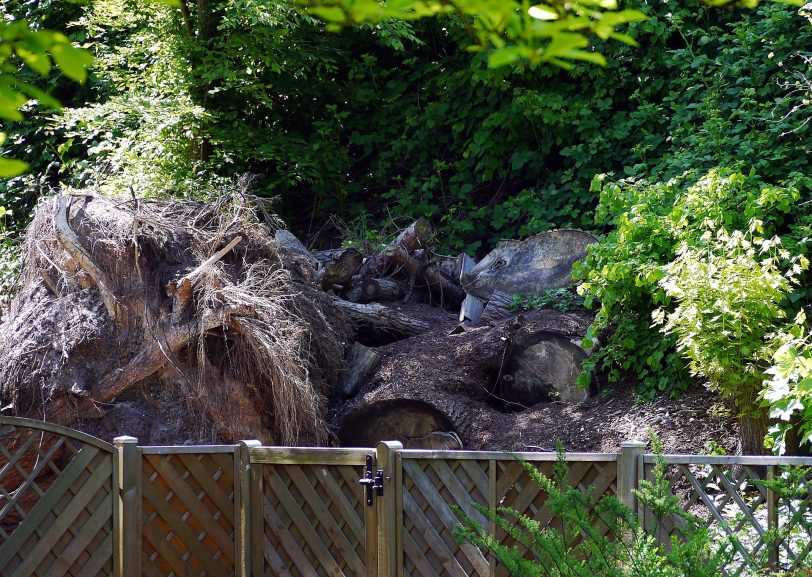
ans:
x=438 y=380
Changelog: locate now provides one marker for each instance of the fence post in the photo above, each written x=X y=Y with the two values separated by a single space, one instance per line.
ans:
x=773 y=547
x=128 y=521
x=389 y=510
x=245 y=508
x=628 y=472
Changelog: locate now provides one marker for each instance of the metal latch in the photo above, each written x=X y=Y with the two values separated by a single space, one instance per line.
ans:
x=371 y=483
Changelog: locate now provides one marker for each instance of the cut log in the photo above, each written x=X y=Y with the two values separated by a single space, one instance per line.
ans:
x=383 y=317
x=391 y=290
x=358 y=363
x=416 y=424
x=412 y=238
x=450 y=293
x=529 y=267
x=364 y=291
x=542 y=367
x=340 y=273
x=287 y=239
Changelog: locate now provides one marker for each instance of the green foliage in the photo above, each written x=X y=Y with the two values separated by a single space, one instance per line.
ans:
x=788 y=390
x=730 y=290
x=579 y=548
x=511 y=32
x=666 y=236
x=561 y=299
x=38 y=50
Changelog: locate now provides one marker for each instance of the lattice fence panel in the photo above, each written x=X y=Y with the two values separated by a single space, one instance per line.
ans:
x=430 y=487
x=314 y=520
x=188 y=514
x=515 y=489
x=732 y=501
x=56 y=505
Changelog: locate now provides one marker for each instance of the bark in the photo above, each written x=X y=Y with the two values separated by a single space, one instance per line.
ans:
x=752 y=430
x=497 y=307
x=359 y=362
x=383 y=317
x=450 y=293
x=417 y=235
x=541 y=367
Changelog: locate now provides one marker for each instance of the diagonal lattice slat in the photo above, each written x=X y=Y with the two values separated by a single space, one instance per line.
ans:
x=56 y=503
x=314 y=521
x=430 y=487
x=732 y=501
x=188 y=514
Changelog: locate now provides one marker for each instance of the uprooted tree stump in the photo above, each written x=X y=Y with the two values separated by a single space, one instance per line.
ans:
x=175 y=321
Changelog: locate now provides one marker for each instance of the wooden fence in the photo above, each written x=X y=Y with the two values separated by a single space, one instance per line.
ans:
x=73 y=505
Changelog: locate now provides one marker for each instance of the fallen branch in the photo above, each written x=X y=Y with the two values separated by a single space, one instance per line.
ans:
x=383 y=317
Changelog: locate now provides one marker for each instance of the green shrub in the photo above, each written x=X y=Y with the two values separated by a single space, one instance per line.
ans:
x=655 y=228
x=579 y=548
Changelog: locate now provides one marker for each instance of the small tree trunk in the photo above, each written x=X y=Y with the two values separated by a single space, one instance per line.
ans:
x=752 y=430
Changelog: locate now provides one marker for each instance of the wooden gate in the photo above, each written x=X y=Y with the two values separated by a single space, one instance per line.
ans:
x=309 y=513
x=56 y=501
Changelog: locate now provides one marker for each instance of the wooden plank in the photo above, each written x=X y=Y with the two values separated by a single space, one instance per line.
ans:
x=752 y=460
x=257 y=518
x=348 y=512
x=292 y=547
x=443 y=511
x=65 y=520
x=189 y=499
x=276 y=562
x=417 y=557
x=213 y=490
x=44 y=506
x=492 y=504
x=100 y=557
x=57 y=430
x=188 y=537
x=242 y=507
x=502 y=456
x=166 y=550
x=436 y=542
x=70 y=553
x=187 y=449
x=320 y=509
x=309 y=456
x=128 y=525
x=312 y=538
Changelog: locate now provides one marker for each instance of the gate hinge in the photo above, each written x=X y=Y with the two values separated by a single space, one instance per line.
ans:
x=371 y=482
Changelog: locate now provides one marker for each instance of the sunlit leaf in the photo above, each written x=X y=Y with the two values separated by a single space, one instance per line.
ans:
x=11 y=167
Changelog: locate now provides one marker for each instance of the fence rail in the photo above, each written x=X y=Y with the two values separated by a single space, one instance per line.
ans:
x=242 y=510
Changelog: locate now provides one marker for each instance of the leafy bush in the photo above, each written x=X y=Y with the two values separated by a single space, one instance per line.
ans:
x=657 y=227
x=560 y=299
x=788 y=390
x=579 y=548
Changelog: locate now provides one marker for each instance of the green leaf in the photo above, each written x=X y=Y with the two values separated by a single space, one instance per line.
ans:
x=11 y=167
x=542 y=12
x=10 y=103
x=73 y=62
